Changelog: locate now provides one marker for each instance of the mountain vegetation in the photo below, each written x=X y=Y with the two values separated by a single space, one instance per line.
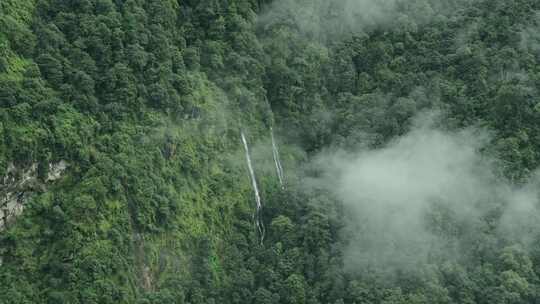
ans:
x=144 y=100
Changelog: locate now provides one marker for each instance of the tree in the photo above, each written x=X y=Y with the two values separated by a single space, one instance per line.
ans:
x=295 y=290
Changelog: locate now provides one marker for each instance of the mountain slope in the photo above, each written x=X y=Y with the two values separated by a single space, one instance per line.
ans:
x=144 y=101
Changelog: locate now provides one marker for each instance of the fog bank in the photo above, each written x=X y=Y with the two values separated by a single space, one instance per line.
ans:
x=424 y=197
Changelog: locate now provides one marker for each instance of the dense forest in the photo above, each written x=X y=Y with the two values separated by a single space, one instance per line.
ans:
x=395 y=145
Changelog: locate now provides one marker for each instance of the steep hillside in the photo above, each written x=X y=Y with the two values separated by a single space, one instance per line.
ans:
x=124 y=178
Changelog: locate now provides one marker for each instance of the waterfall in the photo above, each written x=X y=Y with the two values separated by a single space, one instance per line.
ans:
x=277 y=161
x=258 y=223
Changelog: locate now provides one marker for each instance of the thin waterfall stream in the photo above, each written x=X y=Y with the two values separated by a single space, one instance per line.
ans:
x=277 y=161
x=258 y=204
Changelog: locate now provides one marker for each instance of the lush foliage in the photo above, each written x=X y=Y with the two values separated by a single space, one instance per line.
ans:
x=145 y=100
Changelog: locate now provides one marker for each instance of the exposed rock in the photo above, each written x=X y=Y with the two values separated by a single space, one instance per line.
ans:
x=17 y=186
x=56 y=170
x=147 y=278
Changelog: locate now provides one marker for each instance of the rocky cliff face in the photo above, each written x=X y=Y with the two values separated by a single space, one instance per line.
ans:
x=19 y=183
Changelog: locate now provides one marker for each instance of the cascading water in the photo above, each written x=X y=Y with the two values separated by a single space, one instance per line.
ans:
x=257 y=215
x=277 y=161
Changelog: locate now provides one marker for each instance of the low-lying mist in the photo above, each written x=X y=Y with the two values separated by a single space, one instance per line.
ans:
x=335 y=19
x=427 y=196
